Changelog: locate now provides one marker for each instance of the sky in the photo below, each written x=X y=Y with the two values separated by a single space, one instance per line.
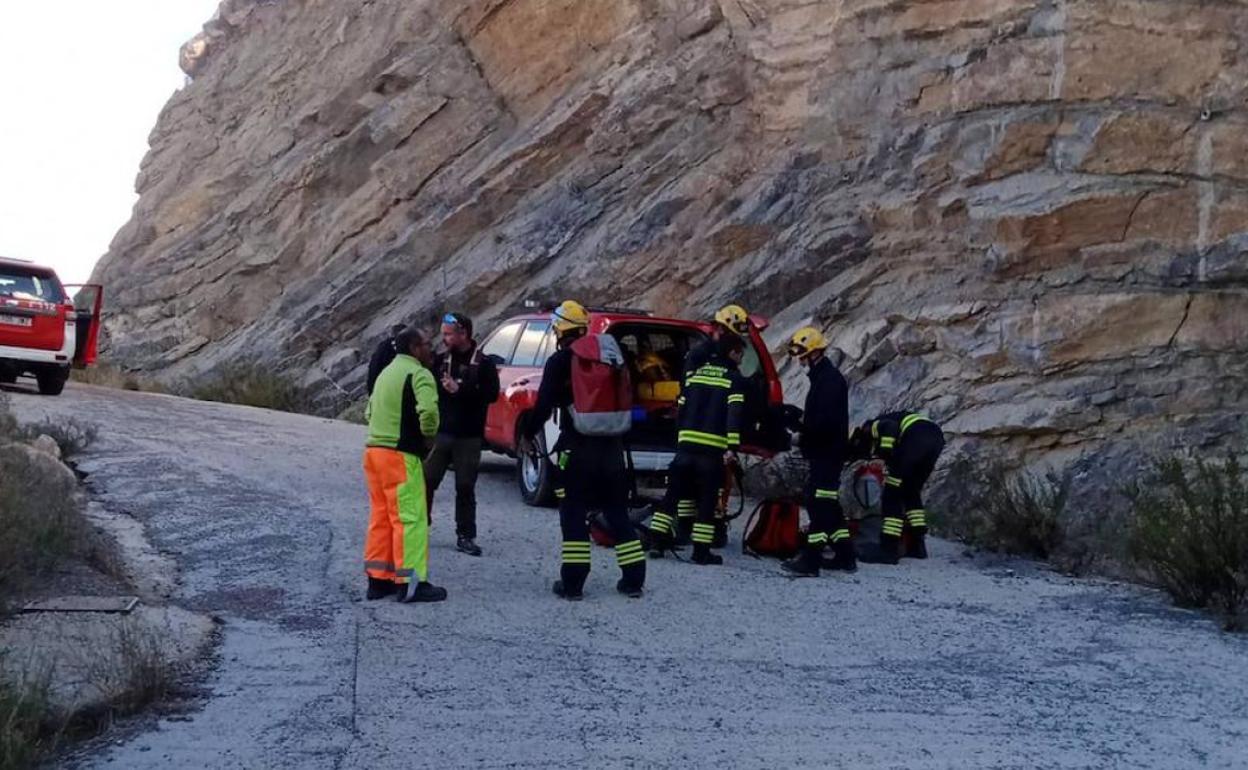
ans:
x=81 y=85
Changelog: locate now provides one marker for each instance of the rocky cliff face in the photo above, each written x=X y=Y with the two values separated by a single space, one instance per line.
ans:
x=1028 y=217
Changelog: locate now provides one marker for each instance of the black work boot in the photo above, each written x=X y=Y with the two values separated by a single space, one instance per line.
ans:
x=566 y=593
x=917 y=547
x=467 y=545
x=658 y=543
x=379 y=589
x=805 y=564
x=702 y=555
x=422 y=592
x=721 y=534
x=884 y=553
x=631 y=590
x=843 y=558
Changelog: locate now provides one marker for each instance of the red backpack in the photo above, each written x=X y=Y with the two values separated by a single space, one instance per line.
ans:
x=602 y=394
x=773 y=529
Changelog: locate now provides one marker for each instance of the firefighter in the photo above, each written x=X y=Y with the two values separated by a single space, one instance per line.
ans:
x=730 y=321
x=910 y=444
x=592 y=474
x=402 y=421
x=823 y=442
x=708 y=424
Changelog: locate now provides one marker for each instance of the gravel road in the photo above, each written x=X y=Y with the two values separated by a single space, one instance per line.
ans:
x=942 y=664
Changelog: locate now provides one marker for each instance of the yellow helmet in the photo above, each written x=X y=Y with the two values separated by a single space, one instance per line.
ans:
x=568 y=316
x=734 y=317
x=807 y=340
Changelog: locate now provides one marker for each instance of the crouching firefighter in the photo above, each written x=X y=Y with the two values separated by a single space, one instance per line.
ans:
x=402 y=421
x=824 y=443
x=712 y=404
x=591 y=471
x=910 y=444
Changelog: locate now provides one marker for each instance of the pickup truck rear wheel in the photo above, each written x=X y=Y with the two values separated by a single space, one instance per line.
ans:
x=52 y=381
x=535 y=472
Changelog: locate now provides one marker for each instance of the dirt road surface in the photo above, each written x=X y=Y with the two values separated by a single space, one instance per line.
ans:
x=942 y=664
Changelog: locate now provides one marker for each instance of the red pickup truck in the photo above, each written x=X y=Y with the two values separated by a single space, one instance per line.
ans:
x=43 y=331
x=655 y=348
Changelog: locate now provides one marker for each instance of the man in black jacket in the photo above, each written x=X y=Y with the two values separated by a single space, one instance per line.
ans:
x=823 y=442
x=467 y=385
x=591 y=472
x=383 y=355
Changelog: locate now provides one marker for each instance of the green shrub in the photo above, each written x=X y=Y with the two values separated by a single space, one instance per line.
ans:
x=1012 y=512
x=1190 y=533
x=249 y=385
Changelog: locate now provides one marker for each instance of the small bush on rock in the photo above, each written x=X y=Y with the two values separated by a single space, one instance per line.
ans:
x=1190 y=533
x=73 y=436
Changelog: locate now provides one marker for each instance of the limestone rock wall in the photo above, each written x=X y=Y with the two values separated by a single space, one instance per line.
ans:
x=1028 y=217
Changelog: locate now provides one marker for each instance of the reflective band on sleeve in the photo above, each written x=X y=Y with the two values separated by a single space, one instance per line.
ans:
x=734 y=438
x=563 y=461
x=911 y=419
x=827 y=494
x=736 y=398
x=875 y=429
x=892 y=481
x=702 y=439
x=714 y=382
x=561 y=493
x=888 y=442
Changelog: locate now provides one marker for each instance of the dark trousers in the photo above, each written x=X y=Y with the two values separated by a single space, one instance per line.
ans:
x=592 y=476
x=823 y=503
x=463 y=455
x=906 y=472
x=693 y=476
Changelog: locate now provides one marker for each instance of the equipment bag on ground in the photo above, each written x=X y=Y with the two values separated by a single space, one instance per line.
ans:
x=602 y=394
x=773 y=529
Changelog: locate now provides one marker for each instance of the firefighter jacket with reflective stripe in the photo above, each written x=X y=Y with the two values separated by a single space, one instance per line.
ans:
x=712 y=406
x=887 y=430
x=825 y=421
x=403 y=409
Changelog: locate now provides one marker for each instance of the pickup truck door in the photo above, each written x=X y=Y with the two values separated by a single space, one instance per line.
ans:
x=88 y=301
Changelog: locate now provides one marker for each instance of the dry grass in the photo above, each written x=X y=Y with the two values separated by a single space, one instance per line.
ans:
x=249 y=385
x=28 y=725
x=113 y=376
x=1189 y=534
x=136 y=672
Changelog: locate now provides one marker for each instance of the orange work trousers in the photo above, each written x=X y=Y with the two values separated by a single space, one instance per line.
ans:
x=397 y=545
